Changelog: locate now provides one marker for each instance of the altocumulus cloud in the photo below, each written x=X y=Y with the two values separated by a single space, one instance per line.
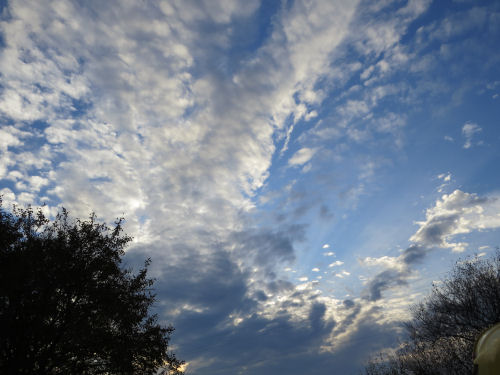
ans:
x=117 y=116
x=153 y=111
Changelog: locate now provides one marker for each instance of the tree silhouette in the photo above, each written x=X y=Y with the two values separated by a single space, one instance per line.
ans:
x=67 y=306
x=445 y=326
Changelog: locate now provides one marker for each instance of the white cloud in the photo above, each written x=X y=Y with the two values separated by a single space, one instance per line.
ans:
x=383 y=261
x=315 y=269
x=8 y=139
x=326 y=246
x=342 y=274
x=306 y=168
x=133 y=135
x=336 y=263
x=310 y=115
x=173 y=135
x=468 y=131
x=8 y=197
x=37 y=182
x=134 y=122
x=448 y=138
x=302 y=156
x=457 y=213
x=446 y=177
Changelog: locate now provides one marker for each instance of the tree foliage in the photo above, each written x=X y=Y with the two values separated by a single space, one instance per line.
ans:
x=67 y=306
x=445 y=326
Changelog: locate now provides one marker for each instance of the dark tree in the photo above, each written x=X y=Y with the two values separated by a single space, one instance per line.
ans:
x=67 y=306
x=445 y=326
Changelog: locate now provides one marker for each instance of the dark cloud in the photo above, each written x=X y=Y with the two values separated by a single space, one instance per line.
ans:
x=316 y=316
x=209 y=289
x=348 y=303
x=383 y=281
x=413 y=254
x=211 y=282
x=349 y=319
x=277 y=286
x=260 y=296
x=200 y=291
x=213 y=288
x=434 y=231
x=266 y=247
x=269 y=347
x=395 y=277
x=368 y=338
x=446 y=219
x=258 y=345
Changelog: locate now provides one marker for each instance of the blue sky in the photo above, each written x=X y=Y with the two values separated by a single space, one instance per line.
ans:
x=300 y=172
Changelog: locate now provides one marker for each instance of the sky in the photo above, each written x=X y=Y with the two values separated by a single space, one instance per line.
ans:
x=299 y=172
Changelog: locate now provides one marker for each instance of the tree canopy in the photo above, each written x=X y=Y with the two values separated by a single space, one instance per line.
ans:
x=445 y=326
x=67 y=306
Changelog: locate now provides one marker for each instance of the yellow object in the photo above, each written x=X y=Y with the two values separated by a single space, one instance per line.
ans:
x=487 y=352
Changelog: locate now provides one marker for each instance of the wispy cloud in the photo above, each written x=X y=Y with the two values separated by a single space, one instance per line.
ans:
x=468 y=131
x=302 y=156
x=336 y=263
